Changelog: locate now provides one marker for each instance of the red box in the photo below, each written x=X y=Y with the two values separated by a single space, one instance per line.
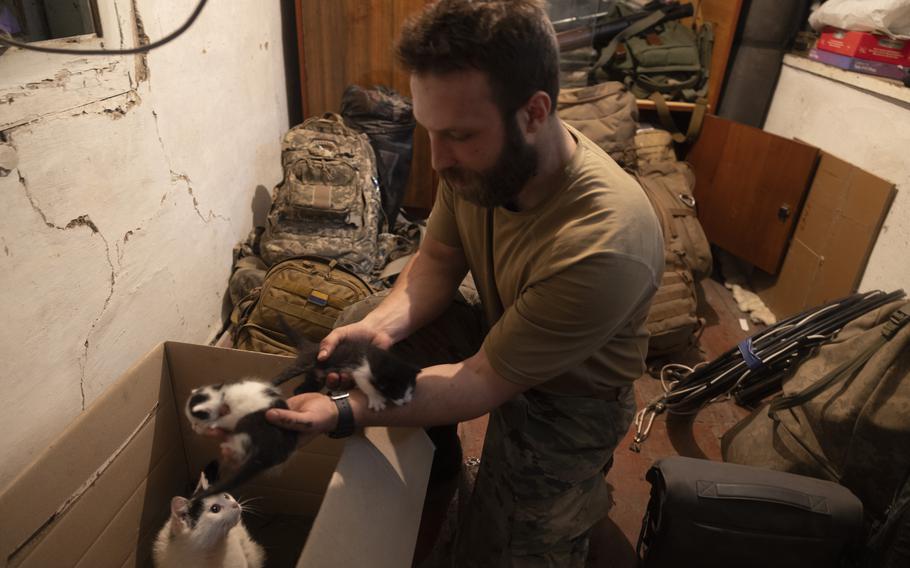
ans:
x=865 y=45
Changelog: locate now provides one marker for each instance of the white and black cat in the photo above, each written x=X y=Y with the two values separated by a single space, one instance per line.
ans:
x=206 y=531
x=382 y=376
x=239 y=409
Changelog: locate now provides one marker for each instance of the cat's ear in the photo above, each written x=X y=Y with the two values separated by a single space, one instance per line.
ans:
x=208 y=476
x=202 y=485
x=179 y=514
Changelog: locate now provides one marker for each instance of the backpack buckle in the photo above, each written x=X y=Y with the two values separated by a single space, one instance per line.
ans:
x=897 y=320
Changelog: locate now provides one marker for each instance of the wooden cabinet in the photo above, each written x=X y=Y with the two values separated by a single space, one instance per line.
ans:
x=344 y=42
x=750 y=185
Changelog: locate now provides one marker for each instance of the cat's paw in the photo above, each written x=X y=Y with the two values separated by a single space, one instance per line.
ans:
x=376 y=403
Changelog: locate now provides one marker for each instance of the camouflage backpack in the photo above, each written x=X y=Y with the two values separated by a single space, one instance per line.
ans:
x=328 y=204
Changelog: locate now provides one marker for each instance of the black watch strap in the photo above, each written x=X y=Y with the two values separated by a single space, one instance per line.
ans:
x=345 y=425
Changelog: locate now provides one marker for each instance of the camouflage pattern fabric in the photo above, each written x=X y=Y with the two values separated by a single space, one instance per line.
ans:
x=329 y=203
x=540 y=487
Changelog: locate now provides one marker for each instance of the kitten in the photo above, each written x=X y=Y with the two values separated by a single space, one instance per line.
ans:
x=206 y=532
x=382 y=376
x=239 y=408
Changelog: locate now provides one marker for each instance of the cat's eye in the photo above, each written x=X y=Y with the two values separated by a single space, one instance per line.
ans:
x=215 y=508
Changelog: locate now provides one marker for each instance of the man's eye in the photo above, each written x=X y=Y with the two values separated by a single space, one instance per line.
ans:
x=459 y=136
x=215 y=508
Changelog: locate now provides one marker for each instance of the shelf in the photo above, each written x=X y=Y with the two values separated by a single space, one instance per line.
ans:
x=647 y=104
x=881 y=86
x=674 y=106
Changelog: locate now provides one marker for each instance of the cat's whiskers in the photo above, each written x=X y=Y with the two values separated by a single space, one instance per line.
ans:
x=246 y=508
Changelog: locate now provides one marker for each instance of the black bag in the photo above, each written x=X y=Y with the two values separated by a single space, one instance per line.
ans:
x=711 y=514
x=387 y=118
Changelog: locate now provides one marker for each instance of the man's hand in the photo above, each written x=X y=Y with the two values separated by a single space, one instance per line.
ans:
x=310 y=414
x=358 y=331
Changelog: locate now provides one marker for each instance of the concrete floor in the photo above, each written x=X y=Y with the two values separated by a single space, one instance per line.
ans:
x=613 y=540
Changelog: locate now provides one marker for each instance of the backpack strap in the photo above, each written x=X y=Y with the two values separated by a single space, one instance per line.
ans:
x=607 y=53
x=666 y=118
x=847 y=369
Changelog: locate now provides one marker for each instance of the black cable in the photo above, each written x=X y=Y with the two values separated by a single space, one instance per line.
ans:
x=4 y=39
x=780 y=348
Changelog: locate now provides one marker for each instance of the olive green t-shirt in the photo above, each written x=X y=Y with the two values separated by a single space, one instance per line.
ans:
x=570 y=282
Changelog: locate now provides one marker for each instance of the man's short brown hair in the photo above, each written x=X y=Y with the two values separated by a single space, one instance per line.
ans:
x=512 y=41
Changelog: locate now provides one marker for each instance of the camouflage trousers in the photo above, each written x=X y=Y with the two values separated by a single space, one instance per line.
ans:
x=540 y=487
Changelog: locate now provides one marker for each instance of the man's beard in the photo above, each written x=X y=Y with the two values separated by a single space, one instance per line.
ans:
x=504 y=180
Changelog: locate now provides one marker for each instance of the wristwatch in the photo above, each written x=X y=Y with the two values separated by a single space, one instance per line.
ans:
x=345 y=425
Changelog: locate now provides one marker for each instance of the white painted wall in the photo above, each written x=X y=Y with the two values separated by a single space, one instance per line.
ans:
x=124 y=184
x=866 y=128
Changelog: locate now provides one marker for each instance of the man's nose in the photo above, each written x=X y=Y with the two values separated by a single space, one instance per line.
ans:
x=441 y=156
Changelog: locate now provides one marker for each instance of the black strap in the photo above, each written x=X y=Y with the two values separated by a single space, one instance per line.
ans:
x=345 y=425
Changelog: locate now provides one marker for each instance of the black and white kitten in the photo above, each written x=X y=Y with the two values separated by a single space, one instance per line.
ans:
x=206 y=531
x=239 y=409
x=382 y=376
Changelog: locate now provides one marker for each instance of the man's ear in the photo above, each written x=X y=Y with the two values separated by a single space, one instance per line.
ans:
x=537 y=111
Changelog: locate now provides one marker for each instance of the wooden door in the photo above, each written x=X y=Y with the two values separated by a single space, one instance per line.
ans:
x=749 y=186
x=344 y=42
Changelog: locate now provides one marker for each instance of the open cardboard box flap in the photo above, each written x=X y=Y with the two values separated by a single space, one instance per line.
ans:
x=99 y=494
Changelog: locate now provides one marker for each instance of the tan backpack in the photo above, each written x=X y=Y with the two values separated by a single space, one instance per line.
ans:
x=307 y=292
x=669 y=186
x=607 y=114
x=673 y=321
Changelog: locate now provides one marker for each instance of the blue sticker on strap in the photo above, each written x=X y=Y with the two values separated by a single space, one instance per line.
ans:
x=752 y=360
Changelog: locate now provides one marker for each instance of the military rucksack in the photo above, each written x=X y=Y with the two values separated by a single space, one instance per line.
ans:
x=670 y=59
x=307 y=293
x=844 y=415
x=673 y=320
x=661 y=60
x=607 y=114
x=669 y=186
x=388 y=119
x=328 y=204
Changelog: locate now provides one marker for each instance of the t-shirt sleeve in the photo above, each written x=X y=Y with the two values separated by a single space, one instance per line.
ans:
x=557 y=323
x=441 y=225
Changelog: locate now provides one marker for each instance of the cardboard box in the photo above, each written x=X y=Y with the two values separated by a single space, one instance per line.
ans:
x=877 y=68
x=865 y=45
x=837 y=230
x=101 y=492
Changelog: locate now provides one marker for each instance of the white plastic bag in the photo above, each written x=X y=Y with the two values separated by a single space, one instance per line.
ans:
x=890 y=17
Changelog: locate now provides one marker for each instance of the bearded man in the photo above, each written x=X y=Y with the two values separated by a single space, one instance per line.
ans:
x=566 y=253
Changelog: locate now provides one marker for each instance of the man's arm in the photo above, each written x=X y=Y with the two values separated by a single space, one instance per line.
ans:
x=422 y=291
x=445 y=394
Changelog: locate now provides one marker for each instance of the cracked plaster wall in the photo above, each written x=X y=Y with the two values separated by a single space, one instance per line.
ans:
x=117 y=217
x=869 y=131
